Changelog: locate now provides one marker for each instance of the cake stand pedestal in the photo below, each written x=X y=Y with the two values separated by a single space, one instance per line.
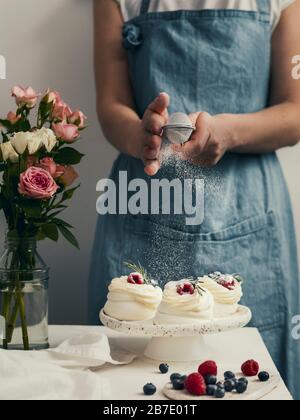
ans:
x=178 y=343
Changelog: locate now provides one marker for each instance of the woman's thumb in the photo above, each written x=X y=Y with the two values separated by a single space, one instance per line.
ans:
x=160 y=104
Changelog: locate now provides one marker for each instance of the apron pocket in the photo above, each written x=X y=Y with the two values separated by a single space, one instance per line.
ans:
x=250 y=248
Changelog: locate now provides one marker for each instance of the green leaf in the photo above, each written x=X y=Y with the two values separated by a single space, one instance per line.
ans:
x=32 y=208
x=68 y=156
x=67 y=195
x=5 y=137
x=50 y=231
x=6 y=124
x=62 y=223
x=68 y=235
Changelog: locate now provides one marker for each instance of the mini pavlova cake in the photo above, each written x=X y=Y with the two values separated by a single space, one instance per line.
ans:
x=226 y=290
x=185 y=302
x=134 y=297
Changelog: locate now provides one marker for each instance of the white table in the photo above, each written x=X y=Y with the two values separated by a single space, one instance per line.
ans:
x=230 y=349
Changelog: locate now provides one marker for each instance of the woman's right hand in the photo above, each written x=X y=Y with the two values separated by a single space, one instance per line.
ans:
x=155 y=117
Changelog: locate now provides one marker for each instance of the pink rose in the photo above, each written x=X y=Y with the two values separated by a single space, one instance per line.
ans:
x=48 y=164
x=51 y=96
x=69 y=176
x=60 y=170
x=66 y=132
x=37 y=183
x=25 y=96
x=13 y=118
x=61 y=110
x=55 y=170
x=78 y=118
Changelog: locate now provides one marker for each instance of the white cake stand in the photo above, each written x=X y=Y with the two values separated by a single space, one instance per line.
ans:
x=179 y=343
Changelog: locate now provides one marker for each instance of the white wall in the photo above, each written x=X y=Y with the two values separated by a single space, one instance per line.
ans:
x=49 y=43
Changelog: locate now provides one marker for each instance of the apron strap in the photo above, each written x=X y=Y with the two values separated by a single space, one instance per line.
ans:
x=145 y=7
x=264 y=6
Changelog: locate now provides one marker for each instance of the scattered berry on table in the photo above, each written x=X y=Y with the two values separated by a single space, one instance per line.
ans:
x=178 y=384
x=164 y=368
x=183 y=378
x=211 y=380
x=229 y=375
x=220 y=393
x=241 y=387
x=195 y=384
x=229 y=385
x=245 y=380
x=264 y=376
x=211 y=390
x=175 y=376
x=250 y=368
x=208 y=368
x=149 y=389
x=220 y=385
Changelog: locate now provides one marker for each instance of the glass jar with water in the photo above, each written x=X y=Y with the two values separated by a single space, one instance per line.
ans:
x=23 y=296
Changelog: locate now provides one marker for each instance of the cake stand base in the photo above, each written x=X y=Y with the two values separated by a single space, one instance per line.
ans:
x=179 y=343
x=177 y=349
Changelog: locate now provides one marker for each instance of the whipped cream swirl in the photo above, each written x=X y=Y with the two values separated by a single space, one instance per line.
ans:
x=222 y=294
x=194 y=306
x=132 y=302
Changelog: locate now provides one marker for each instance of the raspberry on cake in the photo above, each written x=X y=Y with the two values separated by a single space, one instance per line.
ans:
x=184 y=302
x=226 y=290
x=133 y=298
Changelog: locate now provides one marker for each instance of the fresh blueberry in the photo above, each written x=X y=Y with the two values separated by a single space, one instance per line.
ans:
x=164 y=368
x=245 y=380
x=178 y=384
x=241 y=387
x=211 y=390
x=183 y=378
x=263 y=376
x=220 y=385
x=230 y=385
x=149 y=389
x=229 y=375
x=220 y=393
x=211 y=380
x=175 y=376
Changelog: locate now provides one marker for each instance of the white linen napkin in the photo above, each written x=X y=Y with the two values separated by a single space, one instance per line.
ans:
x=63 y=373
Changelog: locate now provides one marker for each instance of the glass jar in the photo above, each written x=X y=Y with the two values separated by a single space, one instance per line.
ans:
x=23 y=296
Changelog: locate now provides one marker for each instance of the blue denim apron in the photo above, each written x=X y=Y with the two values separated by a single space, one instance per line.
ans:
x=216 y=61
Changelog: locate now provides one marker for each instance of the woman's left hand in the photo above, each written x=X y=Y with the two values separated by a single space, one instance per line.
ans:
x=208 y=143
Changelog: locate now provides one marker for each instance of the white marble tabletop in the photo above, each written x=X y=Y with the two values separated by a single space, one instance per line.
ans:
x=230 y=350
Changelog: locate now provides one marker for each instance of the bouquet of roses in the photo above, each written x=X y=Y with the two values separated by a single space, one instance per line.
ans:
x=37 y=161
x=37 y=164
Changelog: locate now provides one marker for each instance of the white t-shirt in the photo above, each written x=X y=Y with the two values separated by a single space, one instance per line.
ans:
x=131 y=8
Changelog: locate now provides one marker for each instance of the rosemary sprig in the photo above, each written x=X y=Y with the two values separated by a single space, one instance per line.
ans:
x=218 y=276
x=138 y=268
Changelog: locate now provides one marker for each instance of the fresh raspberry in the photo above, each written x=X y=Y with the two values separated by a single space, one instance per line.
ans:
x=250 y=368
x=186 y=288
x=208 y=368
x=195 y=384
x=228 y=285
x=135 y=278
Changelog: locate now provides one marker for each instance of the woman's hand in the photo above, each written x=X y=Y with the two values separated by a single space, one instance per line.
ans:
x=155 y=117
x=208 y=143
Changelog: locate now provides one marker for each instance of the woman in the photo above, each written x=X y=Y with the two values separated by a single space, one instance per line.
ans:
x=228 y=65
